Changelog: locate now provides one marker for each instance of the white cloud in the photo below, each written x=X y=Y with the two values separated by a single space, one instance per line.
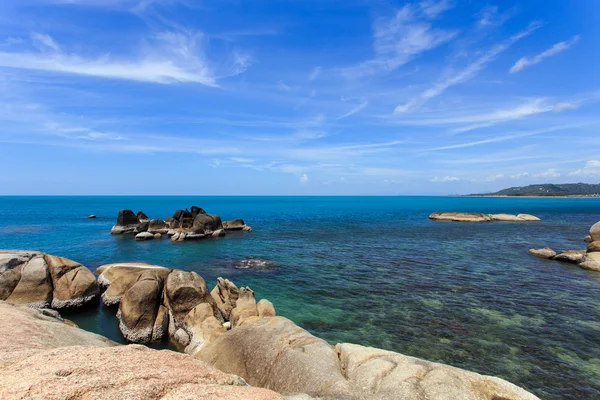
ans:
x=432 y=8
x=592 y=168
x=282 y=86
x=303 y=179
x=169 y=58
x=557 y=48
x=489 y=16
x=520 y=175
x=551 y=173
x=469 y=72
x=44 y=41
x=445 y=179
x=493 y=178
x=314 y=74
x=363 y=103
x=400 y=39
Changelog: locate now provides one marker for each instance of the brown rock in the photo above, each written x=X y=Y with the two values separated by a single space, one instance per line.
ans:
x=265 y=308
x=528 y=217
x=571 y=256
x=74 y=285
x=127 y=222
x=460 y=217
x=184 y=291
x=546 y=253
x=225 y=295
x=35 y=285
x=594 y=246
x=588 y=239
x=202 y=326
x=595 y=231
x=234 y=225
x=120 y=276
x=245 y=307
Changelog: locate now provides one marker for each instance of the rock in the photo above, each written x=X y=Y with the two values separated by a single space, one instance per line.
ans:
x=193 y=236
x=593 y=246
x=142 y=227
x=595 y=231
x=595 y=256
x=202 y=326
x=460 y=217
x=181 y=337
x=127 y=222
x=44 y=358
x=139 y=309
x=11 y=264
x=91 y=216
x=590 y=264
x=158 y=226
x=157 y=236
x=197 y=210
x=34 y=287
x=185 y=290
x=572 y=256
x=117 y=278
x=380 y=374
x=175 y=236
x=181 y=214
x=245 y=307
x=144 y=236
x=265 y=308
x=219 y=233
x=528 y=217
x=505 y=217
x=225 y=295
x=234 y=225
x=142 y=216
x=227 y=325
x=246 y=229
x=588 y=239
x=73 y=284
x=182 y=237
x=276 y=353
x=206 y=223
x=546 y=253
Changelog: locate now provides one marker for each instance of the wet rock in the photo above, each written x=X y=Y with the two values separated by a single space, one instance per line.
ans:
x=144 y=236
x=571 y=256
x=219 y=233
x=478 y=217
x=157 y=236
x=528 y=217
x=234 y=224
x=546 y=253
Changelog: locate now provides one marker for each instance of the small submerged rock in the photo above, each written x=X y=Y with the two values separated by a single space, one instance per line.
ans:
x=91 y=216
x=254 y=263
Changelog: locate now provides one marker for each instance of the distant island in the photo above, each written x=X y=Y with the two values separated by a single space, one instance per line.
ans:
x=549 y=190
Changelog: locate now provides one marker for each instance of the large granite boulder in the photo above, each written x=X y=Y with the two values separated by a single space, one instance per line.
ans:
x=142 y=236
x=158 y=226
x=265 y=308
x=225 y=294
x=206 y=223
x=595 y=231
x=546 y=253
x=185 y=290
x=277 y=354
x=245 y=307
x=118 y=277
x=127 y=222
x=41 y=280
x=379 y=374
x=202 y=327
x=142 y=317
x=44 y=358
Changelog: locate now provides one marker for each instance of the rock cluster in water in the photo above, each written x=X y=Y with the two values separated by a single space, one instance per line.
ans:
x=478 y=217
x=41 y=280
x=587 y=259
x=225 y=328
x=185 y=224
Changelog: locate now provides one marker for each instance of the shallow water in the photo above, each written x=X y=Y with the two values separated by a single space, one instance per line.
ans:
x=374 y=271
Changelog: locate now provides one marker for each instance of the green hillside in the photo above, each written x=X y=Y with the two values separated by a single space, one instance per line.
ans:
x=550 y=189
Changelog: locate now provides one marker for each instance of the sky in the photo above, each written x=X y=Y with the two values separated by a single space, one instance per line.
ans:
x=312 y=97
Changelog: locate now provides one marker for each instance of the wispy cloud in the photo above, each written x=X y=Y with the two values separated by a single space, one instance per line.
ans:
x=363 y=103
x=445 y=179
x=468 y=73
x=559 y=47
x=399 y=39
x=314 y=74
x=169 y=58
x=490 y=16
x=550 y=173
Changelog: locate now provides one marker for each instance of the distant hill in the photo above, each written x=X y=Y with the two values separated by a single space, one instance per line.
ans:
x=549 y=189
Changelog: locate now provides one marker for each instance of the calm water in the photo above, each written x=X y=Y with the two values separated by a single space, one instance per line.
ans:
x=374 y=271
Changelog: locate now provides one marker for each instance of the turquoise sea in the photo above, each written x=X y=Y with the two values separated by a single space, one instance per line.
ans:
x=374 y=271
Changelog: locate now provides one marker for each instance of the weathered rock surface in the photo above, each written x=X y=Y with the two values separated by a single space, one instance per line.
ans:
x=275 y=353
x=142 y=216
x=117 y=278
x=43 y=358
x=225 y=294
x=595 y=231
x=158 y=226
x=41 y=280
x=127 y=222
x=185 y=290
x=571 y=256
x=593 y=246
x=265 y=308
x=588 y=239
x=234 y=225
x=546 y=253
x=478 y=217
x=202 y=327
x=245 y=307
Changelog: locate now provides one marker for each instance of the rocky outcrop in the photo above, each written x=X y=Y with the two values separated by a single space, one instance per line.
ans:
x=41 y=280
x=236 y=225
x=546 y=253
x=571 y=256
x=277 y=354
x=144 y=236
x=44 y=358
x=185 y=290
x=245 y=307
x=595 y=231
x=225 y=294
x=478 y=217
x=142 y=216
x=158 y=226
x=127 y=222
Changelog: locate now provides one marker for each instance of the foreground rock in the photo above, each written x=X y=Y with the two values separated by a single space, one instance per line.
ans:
x=44 y=358
x=275 y=353
x=478 y=217
x=41 y=280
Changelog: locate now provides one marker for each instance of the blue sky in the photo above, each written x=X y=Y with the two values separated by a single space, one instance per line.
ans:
x=297 y=97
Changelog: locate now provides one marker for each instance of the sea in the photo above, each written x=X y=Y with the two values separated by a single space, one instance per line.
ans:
x=371 y=270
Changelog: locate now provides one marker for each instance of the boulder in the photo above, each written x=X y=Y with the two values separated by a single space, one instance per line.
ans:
x=34 y=287
x=11 y=264
x=265 y=308
x=142 y=216
x=219 y=233
x=157 y=236
x=379 y=374
x=234 y=225
x=528 y=217
x=588 y=239
x=157 y=226
x=571 y=256
x=192 y=236
x=185 y=290
x=460 y=217
x=595 y=231
x=197 y=210
x=594 y=246
x=277 y=354
x=245 y=307
x=506 y=218
x=141 y=227
x=44 y=358
x=144 y=236
x=202 y=327
x=206 y=223
x=117 y=278
x=139 y=309
x=590 y=264
x=225 y=295
x=246 y=229
x=73 y=284
x=127 y=222
x=546 y=253
x=181 y=214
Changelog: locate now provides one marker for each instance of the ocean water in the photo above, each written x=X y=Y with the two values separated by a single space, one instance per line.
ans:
x=374 y=271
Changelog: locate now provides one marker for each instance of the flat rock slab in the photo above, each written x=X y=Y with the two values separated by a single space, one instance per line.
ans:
x=479 y=217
